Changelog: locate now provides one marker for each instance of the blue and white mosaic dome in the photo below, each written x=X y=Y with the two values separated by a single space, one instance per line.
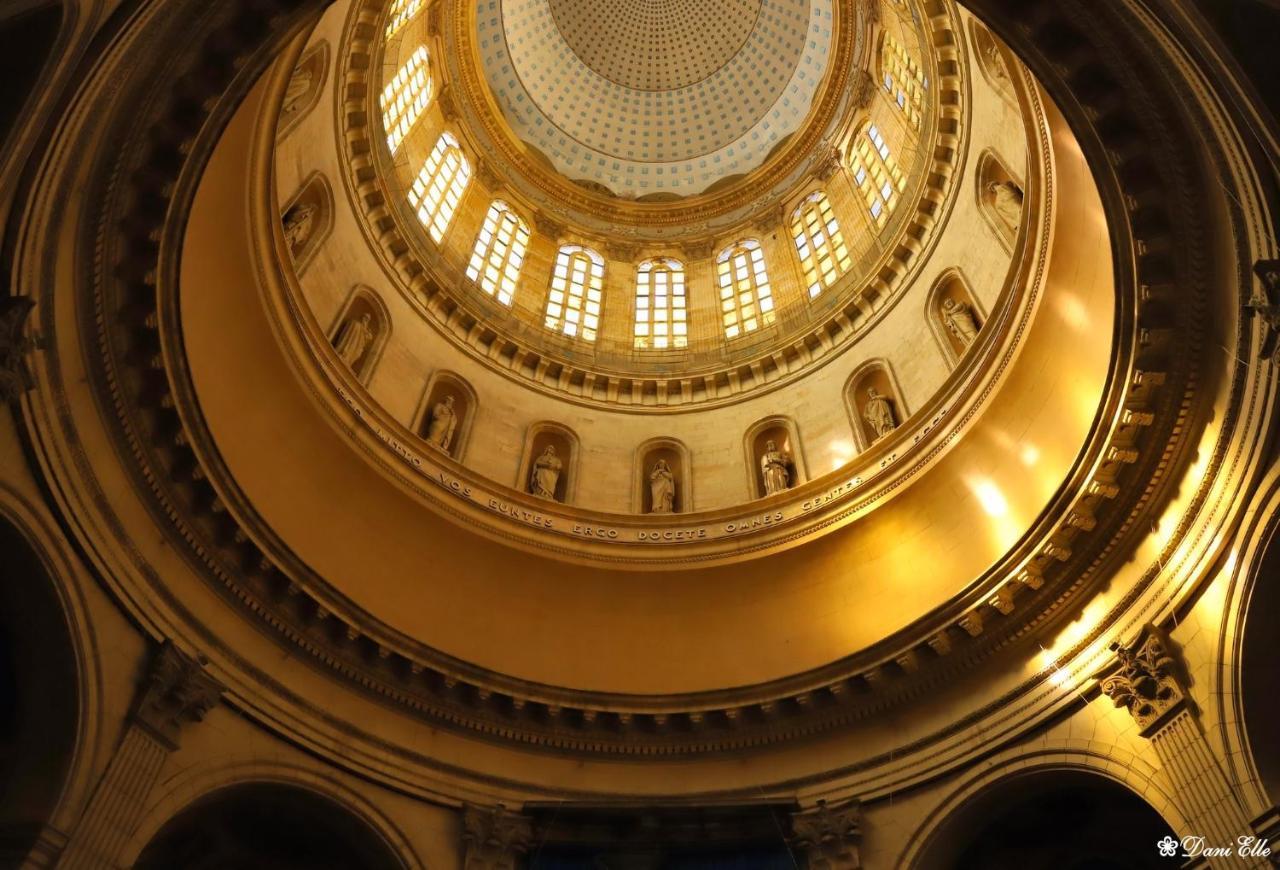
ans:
x=654 y=96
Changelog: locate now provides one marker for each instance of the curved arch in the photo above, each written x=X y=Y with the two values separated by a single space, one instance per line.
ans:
x=953 y=286
x=874 y=374
x=45 y=680
x=541 y=436
x=991 y=60
x=306 y=83
x=307 y=221
x=442 y=385
x=1109 y=762
x=363 y=301
x=674 y=452
x=214 y=779
x=782 y=430
x=992 y=172
x=29 y=36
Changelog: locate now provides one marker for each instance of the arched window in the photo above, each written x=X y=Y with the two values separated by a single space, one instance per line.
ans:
x=876 y=173
x=499 y=252
x=823 y=255
x=746 y=300
x=577 y=282
x=439 y=186
x=662 y=318
x=405 y=96
x=401 y=12
x=904 y=80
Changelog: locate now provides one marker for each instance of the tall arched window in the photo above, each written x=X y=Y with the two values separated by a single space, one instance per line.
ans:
x=401 y=12
x=746 y=299
x=904 y=80
x=876 y=173
x=577 y=282
x=499 y=252
x=662 y=317
x=405 y=96
x=823 y=255
x=439 y=186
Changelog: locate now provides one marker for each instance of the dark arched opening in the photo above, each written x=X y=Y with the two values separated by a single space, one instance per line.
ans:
x=1259 y=675
x=26 y=41
x=1050 y=820
x=266 y=826
x=38 y=680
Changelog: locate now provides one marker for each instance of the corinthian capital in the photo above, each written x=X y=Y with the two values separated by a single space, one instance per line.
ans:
x=178 y=690
x=1145 y=680
x=829 y=835
x=494 y=837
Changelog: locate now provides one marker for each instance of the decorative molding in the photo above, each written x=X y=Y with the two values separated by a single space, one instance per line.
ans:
x=829 y=836
x=177 y=691
x=1265 y=306
x=15 y=376
x=494 y=838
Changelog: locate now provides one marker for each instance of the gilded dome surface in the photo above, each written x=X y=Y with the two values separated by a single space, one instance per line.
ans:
x=654 y=97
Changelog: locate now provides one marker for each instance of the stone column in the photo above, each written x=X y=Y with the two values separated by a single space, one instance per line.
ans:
x=1146 y=679
x=829 y=836
x=494 y=838
x=177 y=691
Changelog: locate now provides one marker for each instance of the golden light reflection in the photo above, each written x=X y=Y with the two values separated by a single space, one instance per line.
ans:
x=991 y=498
x=842 y=452
x=1029 y=454
x=1074 y=312
x=1076 y=631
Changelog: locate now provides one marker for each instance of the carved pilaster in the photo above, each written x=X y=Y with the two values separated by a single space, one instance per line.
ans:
x=829 y=836
x=1145 y=680
x=177 y=691
x=1265 y=305
x=863 y=89
x=448 y=105
x=15 y=378
x=494 y=837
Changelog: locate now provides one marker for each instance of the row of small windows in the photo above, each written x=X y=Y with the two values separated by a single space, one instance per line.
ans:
x=405 y=97
x=402 y=12
x=904 y=79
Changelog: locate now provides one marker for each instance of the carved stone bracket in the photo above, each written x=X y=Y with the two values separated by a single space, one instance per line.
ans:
x=829 y=836
x=1266 y=306
x=828 y=164
x=15 y=378
x=1145 y=680
x=494 y=837
x=178 y=690
x=548 y=226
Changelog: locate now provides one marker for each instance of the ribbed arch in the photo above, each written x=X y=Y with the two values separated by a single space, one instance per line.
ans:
x=746 y=298
x=662 y=314
x=439 y=186
x=499 y=252
x=819 y=243
x=575 y=296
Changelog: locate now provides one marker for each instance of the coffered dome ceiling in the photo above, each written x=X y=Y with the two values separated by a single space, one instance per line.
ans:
x=660 y=96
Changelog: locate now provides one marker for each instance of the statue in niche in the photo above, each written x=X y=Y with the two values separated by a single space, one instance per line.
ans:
x=296 y=93
x=995 y=62
x=878 y=412
x=546 y=474
x=959 y=320
x=774 y=468
x=298 y=224
x=443 y=421
x=1006 y=200
x=662 y=488
x=354 y=339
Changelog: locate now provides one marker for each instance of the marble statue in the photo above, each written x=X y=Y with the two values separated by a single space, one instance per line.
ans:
x=773 y=468
x=355 y=339
x=441 y=425
x=995 y=62
x=662 y=488
x=878 y=413
x=546 y=474
x=1006 y=199
x=296 y=92
x=959 y=320
x=297 y=226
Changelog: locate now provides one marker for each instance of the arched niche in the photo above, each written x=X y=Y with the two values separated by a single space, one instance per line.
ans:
x=360 y=332
x=445 y=415
x=993 y=60
x=676 y=456
x=1065 y=818
x=1001 y=197
x=863 y=407
x=1259 y=675
x=564 y=443
x=27 y=38
x=954 y=315
x=261 y=825
x=305 y=85
x=782 y=432
x=307 y=220
x=39 y=682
